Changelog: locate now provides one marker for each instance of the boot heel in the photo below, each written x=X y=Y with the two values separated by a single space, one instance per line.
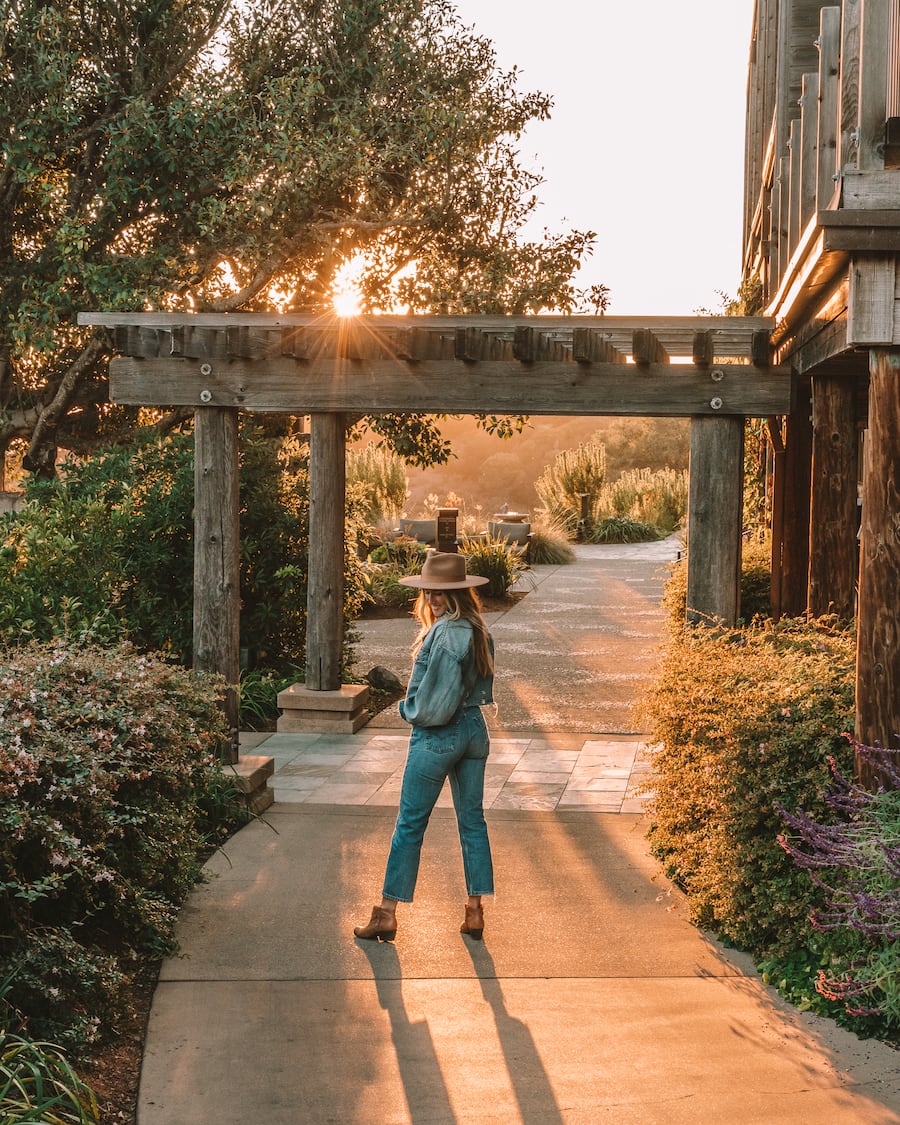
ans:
x=387 y=935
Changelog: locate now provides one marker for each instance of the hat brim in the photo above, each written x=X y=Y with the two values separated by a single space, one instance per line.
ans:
x=420 y=583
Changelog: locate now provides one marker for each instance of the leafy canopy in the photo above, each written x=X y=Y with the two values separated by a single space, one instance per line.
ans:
x=217 y=155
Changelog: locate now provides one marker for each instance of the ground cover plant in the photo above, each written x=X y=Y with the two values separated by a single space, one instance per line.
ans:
x=112 y=793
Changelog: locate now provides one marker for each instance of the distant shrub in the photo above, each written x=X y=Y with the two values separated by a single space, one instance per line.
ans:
x=655 y=497
x=574 y=471
x=497 y=560
x=384 y=482
x=549 y=548
x=618 y=529
x=403 y=552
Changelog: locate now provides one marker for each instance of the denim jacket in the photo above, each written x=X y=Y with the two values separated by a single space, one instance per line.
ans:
x=444 y=677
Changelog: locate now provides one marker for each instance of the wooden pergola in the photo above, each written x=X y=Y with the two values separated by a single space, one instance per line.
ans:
x=221 y=364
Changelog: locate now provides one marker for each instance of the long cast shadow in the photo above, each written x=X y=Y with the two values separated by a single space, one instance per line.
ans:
x=530 y=1082
x=427 y=1096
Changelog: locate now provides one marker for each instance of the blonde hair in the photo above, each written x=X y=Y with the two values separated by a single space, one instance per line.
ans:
x=462 y=605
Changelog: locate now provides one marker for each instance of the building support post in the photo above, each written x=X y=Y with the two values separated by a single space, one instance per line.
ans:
x=833 y=563
x=878 y=637
x=797 y=462
x=715 y=515
x=217 y=555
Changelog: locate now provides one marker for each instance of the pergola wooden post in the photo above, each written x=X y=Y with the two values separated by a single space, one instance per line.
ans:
x=715 y=511
x=217 y=555
x=325 y=583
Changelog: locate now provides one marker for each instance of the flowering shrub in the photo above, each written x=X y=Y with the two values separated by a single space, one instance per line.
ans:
x=746 y=721
x=855 y=863
x=109 y=789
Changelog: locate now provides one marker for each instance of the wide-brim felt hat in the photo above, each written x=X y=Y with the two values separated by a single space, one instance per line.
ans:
x=443 y=571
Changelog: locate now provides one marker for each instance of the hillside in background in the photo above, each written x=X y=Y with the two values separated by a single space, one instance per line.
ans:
x=489 y=472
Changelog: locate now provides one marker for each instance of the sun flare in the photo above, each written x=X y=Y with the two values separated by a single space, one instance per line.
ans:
x=346 y=299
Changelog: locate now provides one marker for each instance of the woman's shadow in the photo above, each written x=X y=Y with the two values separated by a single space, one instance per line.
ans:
x=420 y=1072
x=530 y=1081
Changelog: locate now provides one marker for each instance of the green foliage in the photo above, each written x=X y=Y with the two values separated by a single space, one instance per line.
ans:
x=258 y=694
x=655 y=497
x=549 y=548
x=746 y=721
x=639 y=506
x=106 y=551
x=111 y=788
x=209 y=154
x=854 y=862
x=755 y=591
x=405 y=553
x=575 y=471
x=492 y=557
x=382 y=475
x=37 y=1083
x=619 y=529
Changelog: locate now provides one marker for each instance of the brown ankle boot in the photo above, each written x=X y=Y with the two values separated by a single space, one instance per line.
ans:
x=474 y=923
x=382 y=926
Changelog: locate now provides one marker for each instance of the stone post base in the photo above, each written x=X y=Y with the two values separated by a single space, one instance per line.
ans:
x=342 y=711
x=251 y=779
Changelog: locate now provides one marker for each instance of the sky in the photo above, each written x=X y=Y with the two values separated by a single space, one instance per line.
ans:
x=645 y=145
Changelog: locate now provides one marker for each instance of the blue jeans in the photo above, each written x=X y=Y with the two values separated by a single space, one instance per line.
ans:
x=459 y=751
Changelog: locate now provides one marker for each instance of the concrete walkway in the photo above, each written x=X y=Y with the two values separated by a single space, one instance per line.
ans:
x=592 y=997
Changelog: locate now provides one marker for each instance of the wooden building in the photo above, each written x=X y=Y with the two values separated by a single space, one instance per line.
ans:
x=822 y=248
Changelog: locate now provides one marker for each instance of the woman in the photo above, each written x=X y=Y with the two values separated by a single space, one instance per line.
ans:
x=452 y=678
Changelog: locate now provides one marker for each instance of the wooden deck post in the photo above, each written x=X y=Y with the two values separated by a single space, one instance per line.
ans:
x=795 y=519
x=325 y=586
x=217 y=554
x=715 y=510
x=833 y=563
x=878 y=640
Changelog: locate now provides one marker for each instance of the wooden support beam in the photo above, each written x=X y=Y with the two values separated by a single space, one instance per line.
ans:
x=833 y=564
x=325 y=583
x=646 y=348
x=591 y=346
x=715 y=509
x=217 y=555
x=451 y=387
x=878 y=638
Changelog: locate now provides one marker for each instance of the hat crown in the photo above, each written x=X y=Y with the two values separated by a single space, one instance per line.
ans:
x=440 y=567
